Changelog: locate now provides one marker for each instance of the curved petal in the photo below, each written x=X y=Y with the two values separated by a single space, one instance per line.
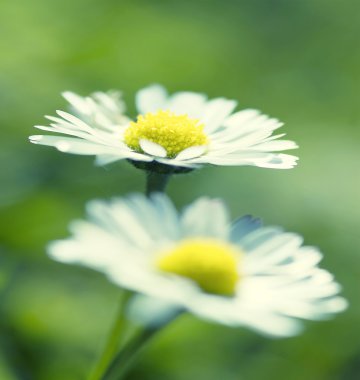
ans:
x=243 y=226
x=206 y=218
x=152 y=148
x=85 y=247
x=159 y=216
x=123 y=222
x=78 y=103
x=106 y=159
x=274 y=146
x=238 y=312
x=178 y=163
x=192 y=152
x=215 y=112
x=75 y=145
x=189 y=103
x=151 y=99
x=260 y=159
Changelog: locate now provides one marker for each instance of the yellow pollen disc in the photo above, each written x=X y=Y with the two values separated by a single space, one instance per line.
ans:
x=173 y=132
x=212 y=264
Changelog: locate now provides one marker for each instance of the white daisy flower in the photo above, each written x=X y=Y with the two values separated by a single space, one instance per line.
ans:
x=238 y=274
x=185 y=130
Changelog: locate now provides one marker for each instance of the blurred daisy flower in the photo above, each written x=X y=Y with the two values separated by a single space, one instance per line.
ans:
x=239 y=274
x=178 y=132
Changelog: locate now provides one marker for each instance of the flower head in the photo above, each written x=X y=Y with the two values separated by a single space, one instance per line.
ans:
x=239 y=274
x=185 y=130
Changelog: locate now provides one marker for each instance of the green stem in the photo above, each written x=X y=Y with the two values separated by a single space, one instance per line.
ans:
x=129 y=352
x=156 y=182
x=113 y=340
x=125 y=358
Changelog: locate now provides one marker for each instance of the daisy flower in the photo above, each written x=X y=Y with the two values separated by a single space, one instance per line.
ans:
x=177 y=132
x=239 y=274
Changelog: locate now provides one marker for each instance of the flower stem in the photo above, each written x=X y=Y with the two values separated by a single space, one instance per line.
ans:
x=156 y=182
x=124 y=360
x=112 y=343
x=126 y=356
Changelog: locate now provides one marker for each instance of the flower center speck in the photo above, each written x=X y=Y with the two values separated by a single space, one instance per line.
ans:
x=173 y=132
x=212 y=264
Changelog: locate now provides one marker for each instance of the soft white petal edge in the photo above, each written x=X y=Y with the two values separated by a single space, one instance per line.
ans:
x=151 y=98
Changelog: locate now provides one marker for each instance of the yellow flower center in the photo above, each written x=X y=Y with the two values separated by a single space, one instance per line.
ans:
x=213 y=265
x=173 y=132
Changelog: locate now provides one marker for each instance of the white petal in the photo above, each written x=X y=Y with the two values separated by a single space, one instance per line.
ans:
x=105 y=159
x=75 y=121
x=304 y=259
x=206 y=217
x=140 y=157
x=85 y=248
x=243 y=140
x=159 y=216
x=264 y=160
x=242 y=123
x=151 y=99
x=249 y=119
x=189 y=103
x=151 y=312
x=277 y=246
x=67 y=129
x=273 y=146
x=177 y=163
x=111 y=101
x=102 y=111
x=258 y=237
x=233 y=312
x=280 y=161
x=243 y=226
x=192 y=152
x=215 y=113
x=168 y=215
x=238 y=119
x=273 y=324
x=77 y=102
x=241 y=158
x=74 y=145
x=152 y=148
x=127 y=223
x=35 y=138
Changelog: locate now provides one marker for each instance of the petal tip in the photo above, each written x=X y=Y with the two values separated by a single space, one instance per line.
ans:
x=152 y=148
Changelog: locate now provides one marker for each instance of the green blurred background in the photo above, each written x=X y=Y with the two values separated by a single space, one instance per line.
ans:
x=296 y=60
